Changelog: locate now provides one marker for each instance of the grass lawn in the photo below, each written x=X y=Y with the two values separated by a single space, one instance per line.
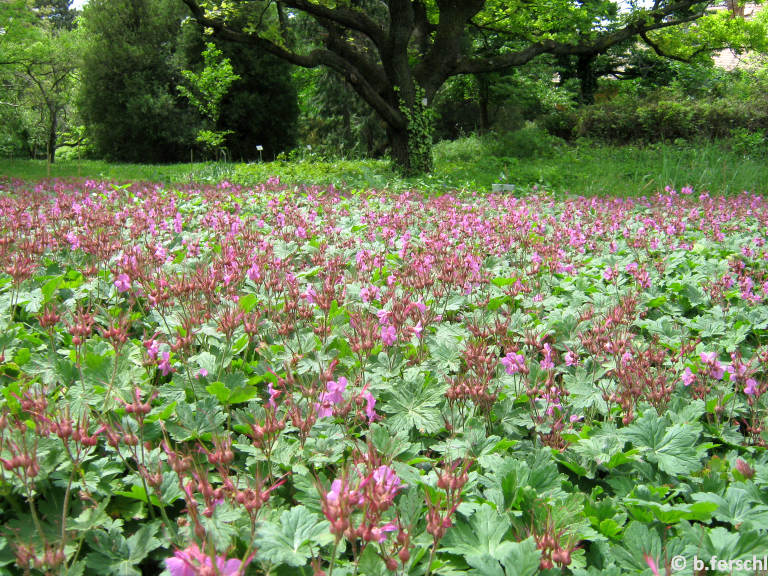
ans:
x=585 y=169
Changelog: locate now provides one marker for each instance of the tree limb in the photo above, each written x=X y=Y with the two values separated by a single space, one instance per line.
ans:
x=313 y=59
x=660 y=51
x=352 y=19
x=658 y=20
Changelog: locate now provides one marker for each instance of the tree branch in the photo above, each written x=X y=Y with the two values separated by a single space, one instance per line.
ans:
x=423 y=26
x=660 y=51
x=352 y=19
x=658 y=20
x=444 y=53
x=369 y=69
x=313 y=59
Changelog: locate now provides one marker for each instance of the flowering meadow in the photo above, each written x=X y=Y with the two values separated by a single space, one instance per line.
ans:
x=230 y=381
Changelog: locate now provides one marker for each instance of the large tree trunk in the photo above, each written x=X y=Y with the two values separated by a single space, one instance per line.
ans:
x=585 y=71
x=411 y=149
x=52 y=126
x=484 y=99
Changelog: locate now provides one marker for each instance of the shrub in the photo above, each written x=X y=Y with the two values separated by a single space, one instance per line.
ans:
x=747 y=143
x=624 y=119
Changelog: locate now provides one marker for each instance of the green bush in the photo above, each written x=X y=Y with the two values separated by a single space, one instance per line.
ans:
x=747 y=143
x=531 y=141
x=623 y=120
x=467 y=149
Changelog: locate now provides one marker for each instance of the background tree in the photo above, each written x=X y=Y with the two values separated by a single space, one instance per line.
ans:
x=334 y=120
x=261 y=108
x=59 y=13
x=130 y=72
x=39 y=67
x=397 y=54
x=133 y=65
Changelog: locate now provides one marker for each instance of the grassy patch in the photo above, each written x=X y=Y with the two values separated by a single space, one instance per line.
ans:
x=470 y=163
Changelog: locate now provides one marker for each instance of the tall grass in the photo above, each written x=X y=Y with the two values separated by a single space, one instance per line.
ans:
x=526 y=158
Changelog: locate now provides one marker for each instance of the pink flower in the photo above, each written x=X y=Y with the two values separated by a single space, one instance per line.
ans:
x=513 y=363
x=379 y=533
x=571 y=358
x=310 y=294
x=165 y=363
x=388 y=335
x=708 y=357
x=332 y=396
x=386 y=480
x=254 y=273
x=272 y=395
x=546 y=363
x=192 y=562
x=688 y=377
x=153 y=348
x=716 y=370
x=340 y=490
x=74 y=241
x=123 y=283
x=651 y=564
x=751 y=387
x=370 y=405
x=334 y=494
x=368 y=293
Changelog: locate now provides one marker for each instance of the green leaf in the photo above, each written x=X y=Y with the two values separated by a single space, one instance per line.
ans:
x=639 y=540
x=143 y=542
x=291 y=540
x=219 y=390
x=114 y=555
x=197 y=419
x=413 y=404
x=735 y=506
x=49 y=288
x=722 y=543
x=519 y=558
x=481 y=535
x=672 y=448
x=206 y=361
x=248 y=302
x=670 y=513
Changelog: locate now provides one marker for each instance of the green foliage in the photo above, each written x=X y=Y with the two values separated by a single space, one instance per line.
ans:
x=333 y=120
x=419 y=116
x=210 y=85
x=40 y=58
x=261 y=109
x=290 y=541
x=588 y=167
x=748 y=143
x=208 y=90
x=696 y=102
x=129 y=74
x=356 y=456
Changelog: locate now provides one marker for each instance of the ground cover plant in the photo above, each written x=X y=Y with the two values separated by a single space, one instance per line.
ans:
x=269 y=380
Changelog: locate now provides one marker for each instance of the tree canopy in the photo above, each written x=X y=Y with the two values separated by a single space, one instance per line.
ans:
x=396 y=54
